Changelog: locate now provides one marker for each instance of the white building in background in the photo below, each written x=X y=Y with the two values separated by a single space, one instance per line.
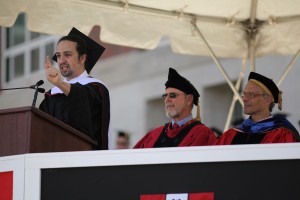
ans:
x=136 y=81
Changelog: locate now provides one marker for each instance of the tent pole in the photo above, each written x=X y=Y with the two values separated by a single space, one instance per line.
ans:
x=217 y=63
x=252 y=34
x=288 y=68
x=252 y=53
x=234 y=98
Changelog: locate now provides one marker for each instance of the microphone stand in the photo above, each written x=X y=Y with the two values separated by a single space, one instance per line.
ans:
x=15 y=88
x=37 y=90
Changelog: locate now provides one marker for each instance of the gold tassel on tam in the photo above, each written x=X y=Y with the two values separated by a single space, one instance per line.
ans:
x=198 y=118
x=280 y=100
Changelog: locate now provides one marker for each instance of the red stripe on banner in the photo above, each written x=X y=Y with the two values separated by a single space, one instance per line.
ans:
x=6 y=185
x=151 y=197
x=191 y=196
x=201 y=196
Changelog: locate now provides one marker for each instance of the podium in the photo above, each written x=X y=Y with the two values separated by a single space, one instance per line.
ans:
x=30 y=130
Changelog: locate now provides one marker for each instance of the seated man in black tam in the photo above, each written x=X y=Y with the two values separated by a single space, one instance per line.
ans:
x=259 y=97
x=79 y=100
x=183 y=130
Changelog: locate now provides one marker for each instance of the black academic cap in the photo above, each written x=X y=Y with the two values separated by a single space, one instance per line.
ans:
x=267 y=85
x=123 y=134
x=181 y=83
x=94 y=50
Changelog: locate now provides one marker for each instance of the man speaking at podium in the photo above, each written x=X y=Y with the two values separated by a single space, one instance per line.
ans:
x=79 y=100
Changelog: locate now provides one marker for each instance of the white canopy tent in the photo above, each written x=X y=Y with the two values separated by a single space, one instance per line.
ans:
x=241 y=29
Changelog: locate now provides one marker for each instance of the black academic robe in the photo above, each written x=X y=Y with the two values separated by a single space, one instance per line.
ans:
x=86 y=108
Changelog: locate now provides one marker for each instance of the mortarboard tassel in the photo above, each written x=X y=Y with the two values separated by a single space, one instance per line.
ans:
x=198 y=111
x=280 y=100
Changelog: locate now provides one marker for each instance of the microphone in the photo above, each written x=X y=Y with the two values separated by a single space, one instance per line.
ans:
x=40 y=82
x=41 y=90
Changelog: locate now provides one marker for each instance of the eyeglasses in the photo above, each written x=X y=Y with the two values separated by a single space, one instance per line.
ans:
x=250 y=95
x=172 y=95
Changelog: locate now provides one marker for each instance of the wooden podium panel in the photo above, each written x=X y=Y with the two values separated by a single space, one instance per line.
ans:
x=29 y=130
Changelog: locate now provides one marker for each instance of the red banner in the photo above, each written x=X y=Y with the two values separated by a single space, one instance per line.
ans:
x=6 y=185
x=183 y=196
